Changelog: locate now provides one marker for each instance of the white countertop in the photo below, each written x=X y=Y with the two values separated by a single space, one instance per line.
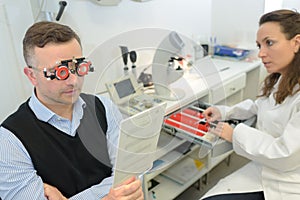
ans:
x=197 y=85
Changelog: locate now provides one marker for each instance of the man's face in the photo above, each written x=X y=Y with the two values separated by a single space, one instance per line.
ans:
x=53 y=93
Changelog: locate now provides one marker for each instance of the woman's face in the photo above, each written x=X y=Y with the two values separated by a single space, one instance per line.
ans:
x=275 y=51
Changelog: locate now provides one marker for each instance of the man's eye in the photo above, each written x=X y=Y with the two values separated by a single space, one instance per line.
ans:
x=269 y=42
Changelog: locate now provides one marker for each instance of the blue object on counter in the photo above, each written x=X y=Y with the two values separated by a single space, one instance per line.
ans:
x=220 y=50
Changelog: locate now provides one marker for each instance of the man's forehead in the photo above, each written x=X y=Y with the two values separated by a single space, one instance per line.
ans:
x=59 y=51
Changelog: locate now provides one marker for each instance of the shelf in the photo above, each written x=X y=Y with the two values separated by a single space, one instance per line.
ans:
x=162 y=191
x=184 y=170
x=166 y=184
x=167 y=143
x=169 y=159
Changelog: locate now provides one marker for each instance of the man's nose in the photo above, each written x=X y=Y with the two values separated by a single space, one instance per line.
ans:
x=72 y=77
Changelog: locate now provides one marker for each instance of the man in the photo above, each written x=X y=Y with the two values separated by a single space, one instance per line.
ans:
x=60 y=143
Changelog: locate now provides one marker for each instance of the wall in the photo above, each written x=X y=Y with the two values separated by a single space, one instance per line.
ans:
x=271 y=5
x=13 y=85
x=96 y=24
x=235 y=22
x=292 y=4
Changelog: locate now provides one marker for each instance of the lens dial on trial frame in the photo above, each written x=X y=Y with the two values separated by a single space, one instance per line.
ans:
x=80 y=66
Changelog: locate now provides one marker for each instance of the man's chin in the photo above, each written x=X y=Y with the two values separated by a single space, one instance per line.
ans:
x=71 y=97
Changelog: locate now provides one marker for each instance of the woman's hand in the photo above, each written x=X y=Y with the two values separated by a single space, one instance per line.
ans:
x=131 y=189
x=52 y=193
x=212 y=114
x=223 y=130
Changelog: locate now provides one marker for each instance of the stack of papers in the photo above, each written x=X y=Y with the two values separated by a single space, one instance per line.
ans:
x=184 y=171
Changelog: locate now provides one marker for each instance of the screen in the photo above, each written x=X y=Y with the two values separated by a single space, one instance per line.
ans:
x=124 y=88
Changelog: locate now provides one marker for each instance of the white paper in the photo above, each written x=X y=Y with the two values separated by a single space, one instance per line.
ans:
x=137 y=143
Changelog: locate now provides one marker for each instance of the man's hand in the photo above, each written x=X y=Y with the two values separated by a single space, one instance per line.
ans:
x=130 y=189
x=52 y=193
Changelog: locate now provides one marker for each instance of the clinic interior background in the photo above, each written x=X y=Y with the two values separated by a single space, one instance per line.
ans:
x=232 y=22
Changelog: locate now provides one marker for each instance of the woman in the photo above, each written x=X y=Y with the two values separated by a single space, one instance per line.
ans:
x=274 y=145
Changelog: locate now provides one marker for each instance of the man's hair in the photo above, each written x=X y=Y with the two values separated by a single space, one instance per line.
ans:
x=289 y=22
x=43 y=33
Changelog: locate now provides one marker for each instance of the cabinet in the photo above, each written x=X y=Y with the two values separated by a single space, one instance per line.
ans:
x=238 y=82
x=230 y=92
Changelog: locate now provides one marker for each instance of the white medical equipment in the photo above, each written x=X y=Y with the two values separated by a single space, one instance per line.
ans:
x=163 y=70
x=129 y=95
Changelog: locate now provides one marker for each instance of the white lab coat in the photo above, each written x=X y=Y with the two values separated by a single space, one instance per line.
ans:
x=274 y=148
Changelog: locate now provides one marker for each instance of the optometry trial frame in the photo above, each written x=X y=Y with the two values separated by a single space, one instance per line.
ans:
x=63 y=68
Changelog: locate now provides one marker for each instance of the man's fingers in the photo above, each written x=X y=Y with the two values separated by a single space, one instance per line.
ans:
x=130 y=180
x=124 y=183
x=136 y=194
x=46 y=189
x=132 y=190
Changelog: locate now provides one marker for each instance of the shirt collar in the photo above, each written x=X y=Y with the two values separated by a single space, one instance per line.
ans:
x=45 y=114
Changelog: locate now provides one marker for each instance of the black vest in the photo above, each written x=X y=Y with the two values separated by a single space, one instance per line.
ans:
x=72 y=164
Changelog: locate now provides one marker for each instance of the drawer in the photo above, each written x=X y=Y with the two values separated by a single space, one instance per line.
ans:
x=221 y=92
x=189 y=123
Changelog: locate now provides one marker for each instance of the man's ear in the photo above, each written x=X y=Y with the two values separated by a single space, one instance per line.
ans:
x=297 y=43
x=29 y=72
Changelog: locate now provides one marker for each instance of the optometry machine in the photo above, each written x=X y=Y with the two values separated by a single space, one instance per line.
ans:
x=129 y=95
